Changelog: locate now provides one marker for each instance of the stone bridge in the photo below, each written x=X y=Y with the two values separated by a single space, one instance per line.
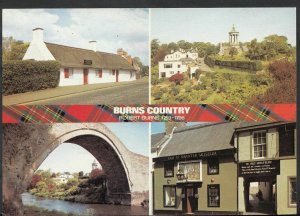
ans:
x=26 y=146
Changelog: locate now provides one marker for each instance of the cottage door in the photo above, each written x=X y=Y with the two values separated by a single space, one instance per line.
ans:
x=189 y=199
x=117 y=75
x=85 y=76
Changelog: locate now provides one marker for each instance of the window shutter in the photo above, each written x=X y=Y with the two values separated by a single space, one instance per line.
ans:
x=66 y=72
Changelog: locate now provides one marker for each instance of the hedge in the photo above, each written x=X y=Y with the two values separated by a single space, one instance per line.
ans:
x=210 y=61
x=29 y=75
x=248 y=65
x=242 y=64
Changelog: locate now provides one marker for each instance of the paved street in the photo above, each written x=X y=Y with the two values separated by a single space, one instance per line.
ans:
x=136 y=92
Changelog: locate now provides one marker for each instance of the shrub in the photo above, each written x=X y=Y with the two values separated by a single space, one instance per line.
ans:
x=177 y=78
x=188 y=88
x=23 y=76
x=157 y=95
x=284 y=88
x=174 y=91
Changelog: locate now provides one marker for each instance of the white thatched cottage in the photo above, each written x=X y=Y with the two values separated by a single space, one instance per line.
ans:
x=80 y=66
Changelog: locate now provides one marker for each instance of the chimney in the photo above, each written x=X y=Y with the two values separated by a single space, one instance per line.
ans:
x=93 y=45
x=38 y=35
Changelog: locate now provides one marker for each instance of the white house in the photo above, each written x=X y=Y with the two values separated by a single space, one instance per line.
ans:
x=176 y=62
x=63 y=178
x=80 y=66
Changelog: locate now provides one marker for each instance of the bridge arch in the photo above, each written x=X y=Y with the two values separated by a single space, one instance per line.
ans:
x=124 y=172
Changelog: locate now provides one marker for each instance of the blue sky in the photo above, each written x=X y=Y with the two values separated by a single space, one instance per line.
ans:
x=135 y=136
x=213 y=24
x=111 y=28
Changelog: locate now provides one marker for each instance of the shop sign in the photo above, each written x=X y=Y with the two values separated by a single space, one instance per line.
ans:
x=259 y=168
x=87 y=62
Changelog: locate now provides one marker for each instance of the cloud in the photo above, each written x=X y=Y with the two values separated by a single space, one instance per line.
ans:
x=111 y=28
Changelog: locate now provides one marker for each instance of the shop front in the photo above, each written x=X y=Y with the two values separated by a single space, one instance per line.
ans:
x=187 y=180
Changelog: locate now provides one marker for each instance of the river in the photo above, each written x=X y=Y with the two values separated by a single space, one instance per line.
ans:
x=81 y=209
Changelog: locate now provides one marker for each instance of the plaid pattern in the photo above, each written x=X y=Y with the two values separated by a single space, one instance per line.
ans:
x=104 y=113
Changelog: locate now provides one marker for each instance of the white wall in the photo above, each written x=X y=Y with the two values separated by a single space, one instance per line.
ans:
x=107 y=77
x=173 y=70
x=178 y=55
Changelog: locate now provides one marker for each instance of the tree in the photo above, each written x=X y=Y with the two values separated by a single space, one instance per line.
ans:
x=96 y=172
x=182 y=44
x=34 y=180
x=154 y=47
x=80 y=174
x=173 y=47
x=13 y=49
x=233 y=51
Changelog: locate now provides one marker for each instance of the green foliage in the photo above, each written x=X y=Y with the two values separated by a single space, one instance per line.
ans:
x=188 y=88
x=13 y=49
x=24 y=76
x=284 y=88
x=233 y=51
x=157 y=94
x=174 y=90
x=248 y=65
x=209 y=60
x=271 y=47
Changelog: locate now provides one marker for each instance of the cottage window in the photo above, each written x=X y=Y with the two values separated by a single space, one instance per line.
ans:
x=292 y=191
x=286 y=141
x=68 y=73
x=259 y=144
x=178 y=66
x=169 y=169
x=98 y=73
x=167 y=65
x=163 y=74
x=213 y=166
x=169 y=196
x=213 y=195
x=171 y=72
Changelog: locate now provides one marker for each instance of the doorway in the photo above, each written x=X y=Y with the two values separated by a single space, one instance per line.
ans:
x=260 y=195
x=85 y=76
x=190 y=199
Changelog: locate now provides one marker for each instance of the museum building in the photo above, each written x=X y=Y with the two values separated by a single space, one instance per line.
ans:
x=203 y=169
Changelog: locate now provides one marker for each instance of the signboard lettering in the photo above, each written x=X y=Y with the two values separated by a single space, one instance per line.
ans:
x=261 y=168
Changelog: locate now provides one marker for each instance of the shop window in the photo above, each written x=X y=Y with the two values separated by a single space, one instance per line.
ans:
x=259 y=144
x=292 y=191
x=167 y=65
x=213 y=195
x=286 y=141
x=98 y=73
x=169 y=169
x=212 y=166
x=169 y=196
x=68 y=73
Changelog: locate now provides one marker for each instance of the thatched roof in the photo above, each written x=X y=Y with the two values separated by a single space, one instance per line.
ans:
x=74 y=57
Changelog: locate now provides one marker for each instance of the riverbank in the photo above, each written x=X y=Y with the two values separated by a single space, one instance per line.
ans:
x=36 y=211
